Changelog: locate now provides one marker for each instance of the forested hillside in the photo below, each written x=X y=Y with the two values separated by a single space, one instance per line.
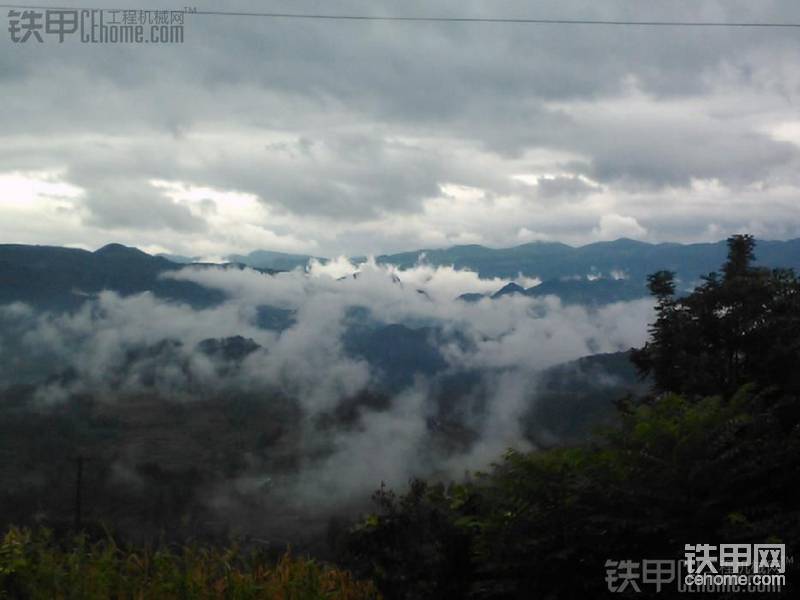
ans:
x=710 y=455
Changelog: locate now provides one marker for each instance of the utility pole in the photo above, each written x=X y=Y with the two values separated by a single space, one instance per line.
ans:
x=78 y=485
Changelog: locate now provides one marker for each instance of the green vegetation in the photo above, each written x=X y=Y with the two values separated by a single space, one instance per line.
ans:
x=737 y=329
x=710 y=456
x=34 y=566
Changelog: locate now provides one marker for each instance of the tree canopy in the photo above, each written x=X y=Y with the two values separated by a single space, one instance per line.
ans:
x=710 y=456
x=738 y=327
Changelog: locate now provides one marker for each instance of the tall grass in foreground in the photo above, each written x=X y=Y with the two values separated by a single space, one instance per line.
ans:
x=34 y=566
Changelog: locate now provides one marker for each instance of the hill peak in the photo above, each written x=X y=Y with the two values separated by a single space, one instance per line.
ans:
x=118 y=250
x=509 y=288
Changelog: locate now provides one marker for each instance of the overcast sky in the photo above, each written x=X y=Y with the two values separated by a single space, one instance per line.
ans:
x=328 y=137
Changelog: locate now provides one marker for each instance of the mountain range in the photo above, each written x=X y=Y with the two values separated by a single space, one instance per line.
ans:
x=620 y=258
x=616 y=259
x=56 y=278
x=62 y=278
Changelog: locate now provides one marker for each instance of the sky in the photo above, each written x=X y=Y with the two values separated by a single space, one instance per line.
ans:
x=355 y=137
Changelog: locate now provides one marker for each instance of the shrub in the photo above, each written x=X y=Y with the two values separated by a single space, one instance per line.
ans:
x=33 y=565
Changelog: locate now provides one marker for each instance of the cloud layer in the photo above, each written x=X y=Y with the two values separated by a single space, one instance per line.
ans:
x=349 y=137
x=118 y=349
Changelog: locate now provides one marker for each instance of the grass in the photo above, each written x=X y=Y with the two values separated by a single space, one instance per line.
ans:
x=33 y=565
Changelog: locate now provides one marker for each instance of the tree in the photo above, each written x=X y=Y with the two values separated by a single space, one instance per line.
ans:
x=741 y=254
x=724 y=333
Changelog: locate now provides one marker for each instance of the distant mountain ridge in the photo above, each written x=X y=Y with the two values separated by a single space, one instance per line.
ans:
x=630 y=258
x=595 y=274
x=592 y=291
x=267 y=259
x=56 y=278
x=619 y=259
x=599 y=273
x=257 y=259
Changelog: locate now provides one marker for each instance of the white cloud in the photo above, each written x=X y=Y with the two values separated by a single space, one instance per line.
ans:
x=614 y=226
x=116 y=348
